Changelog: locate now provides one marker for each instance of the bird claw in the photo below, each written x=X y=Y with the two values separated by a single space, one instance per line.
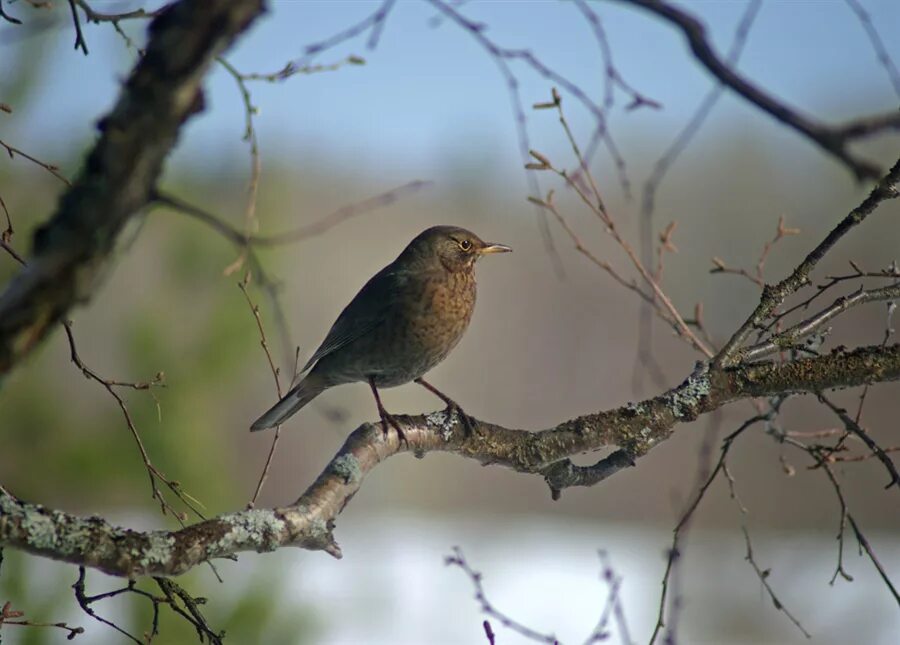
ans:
x=468 y=426
x=388 y=419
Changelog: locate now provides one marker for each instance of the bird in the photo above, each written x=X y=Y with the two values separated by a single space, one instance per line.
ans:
x=405 y=320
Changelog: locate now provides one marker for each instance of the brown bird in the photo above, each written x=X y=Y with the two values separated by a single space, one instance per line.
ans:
x=403 y=322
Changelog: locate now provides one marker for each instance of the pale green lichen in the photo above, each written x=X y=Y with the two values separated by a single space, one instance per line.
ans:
x=40 y=531
x=635 y=409
x=158 y=550
x=347 y=468
x=442 y=420
x=76 y=537
x=687 y=398
x=317 y=529
x=262 y=529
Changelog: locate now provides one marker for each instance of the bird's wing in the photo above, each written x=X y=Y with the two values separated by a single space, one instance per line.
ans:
x=366 y=311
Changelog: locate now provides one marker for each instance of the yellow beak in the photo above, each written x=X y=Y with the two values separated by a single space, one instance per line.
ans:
x=495 y=248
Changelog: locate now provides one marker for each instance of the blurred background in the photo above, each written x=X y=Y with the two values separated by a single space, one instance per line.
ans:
x=548 y=341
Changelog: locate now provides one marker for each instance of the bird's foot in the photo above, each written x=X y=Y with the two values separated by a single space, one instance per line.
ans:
x=468 y=426
x=452 y=406
x=388 y=419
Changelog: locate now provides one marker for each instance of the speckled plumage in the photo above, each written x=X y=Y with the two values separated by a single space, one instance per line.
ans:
x=402 y=323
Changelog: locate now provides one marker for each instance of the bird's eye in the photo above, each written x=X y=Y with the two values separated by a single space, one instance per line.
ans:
x=465 y=245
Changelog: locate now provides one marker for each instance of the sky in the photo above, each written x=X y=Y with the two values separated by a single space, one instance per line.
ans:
x=429 y=99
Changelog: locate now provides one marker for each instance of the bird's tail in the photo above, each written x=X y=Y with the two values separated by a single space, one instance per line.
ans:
x=304 y=392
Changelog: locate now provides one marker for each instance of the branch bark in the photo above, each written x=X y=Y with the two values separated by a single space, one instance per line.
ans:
x=74 y=247
x=308 y=523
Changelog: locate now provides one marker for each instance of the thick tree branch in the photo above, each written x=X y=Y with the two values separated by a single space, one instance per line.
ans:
x=634 y=429
x=118 y=177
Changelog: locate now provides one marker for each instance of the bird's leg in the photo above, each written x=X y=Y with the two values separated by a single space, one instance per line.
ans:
x=451 y=404
x=386 y=416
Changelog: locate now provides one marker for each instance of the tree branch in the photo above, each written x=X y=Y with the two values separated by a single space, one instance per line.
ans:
x=308 y=523
x=118 y=177
x=773 y=296
x=834 y=140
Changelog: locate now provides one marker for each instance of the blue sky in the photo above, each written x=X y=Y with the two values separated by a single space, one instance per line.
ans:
x=429 y=95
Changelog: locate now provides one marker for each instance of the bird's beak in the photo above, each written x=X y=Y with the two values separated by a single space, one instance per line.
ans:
x=495 y=248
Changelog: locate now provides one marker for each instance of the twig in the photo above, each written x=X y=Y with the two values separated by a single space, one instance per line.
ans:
x=52 y=169
x=856 y=429
x=250 y=221
x=814 y=453
x=98 y=17
x=596 y=205
x=789 y=337
x=834 y=140
x=774 y=296
x=191 y=612
x=153 y=473
x=674 y=552
x=84 y=601
x=7 y=17
x=10 y=616
x=457 y=559
x=275 y=375
x=764 y=579
x=681 y=141
x=80 y=42
x=612 y=608
x=301 y=232
x=881 y=51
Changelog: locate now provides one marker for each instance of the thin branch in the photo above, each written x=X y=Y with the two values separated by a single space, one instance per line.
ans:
x=242 y=285
x=457 y=559
x=853 y=427
x=774 y=296
x=299 y=233
x=833 y=140
x=98 y=17
x=878 y=46
x=84 y=601
x=7 y=17
x=674 y=553
x=80 y=42
x=10 y=616
x=51 y=168
x=789 y=337
x=595 y=203
x=813 y=452
x=764 y=579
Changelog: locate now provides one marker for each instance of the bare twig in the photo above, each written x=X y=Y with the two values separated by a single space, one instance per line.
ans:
x=612 y=609
x=80 y=42
x=7 y=17
x=764 y=579
x=242 y=285
x=881 y=51
x=774 y=296
x=833 y=140
x=301 y=232
x=52 y=169
x=457 y=559
x=853 y=427
x=84 y=601
x=674 y=553
x=595 y=203
x=681 y=141
x=10 y=616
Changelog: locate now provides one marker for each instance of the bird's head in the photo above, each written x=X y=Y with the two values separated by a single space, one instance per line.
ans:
x=456 y=249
